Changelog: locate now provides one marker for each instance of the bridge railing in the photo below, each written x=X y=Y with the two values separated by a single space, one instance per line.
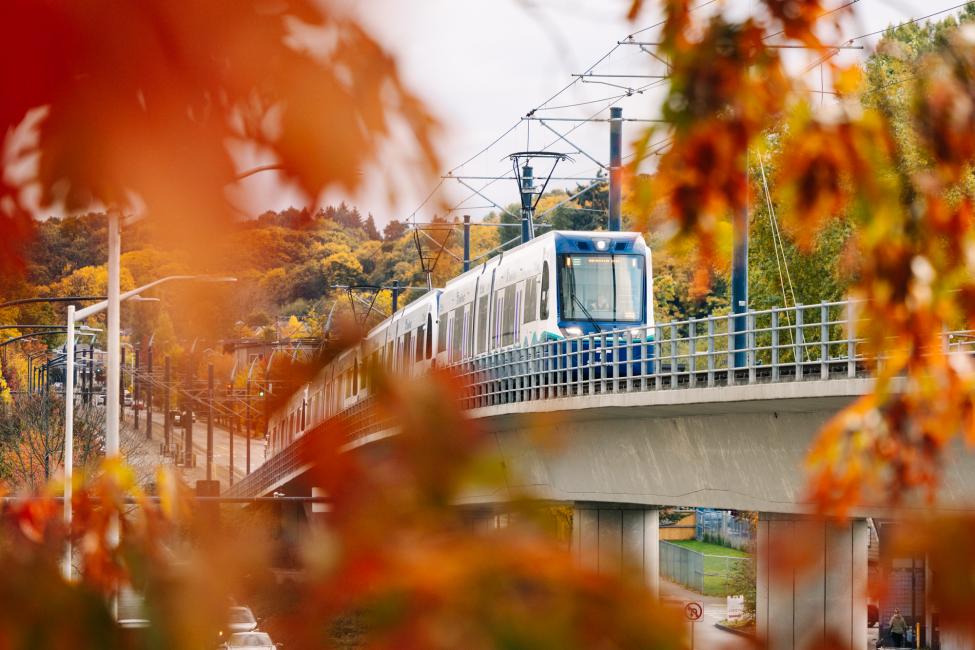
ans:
x=798 y=343
x=782 y=344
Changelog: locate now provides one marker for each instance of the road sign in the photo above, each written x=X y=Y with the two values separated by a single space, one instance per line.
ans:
x=693 y=611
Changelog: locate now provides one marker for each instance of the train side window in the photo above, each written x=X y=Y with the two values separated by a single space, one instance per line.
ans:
x=543 y=295
x=516 y=316
x=456 y=333
x=508 y=324
x=429 y=353
x=442 y=334
x=531 y=297
x=407 y=348
x=420 y=338
x=482 y=321
x=496 y=319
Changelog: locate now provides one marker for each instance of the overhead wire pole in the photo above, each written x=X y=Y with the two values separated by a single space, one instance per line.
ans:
x=467 y=243
x=615 y=168
x=148 y=390
x=209 y=421
x=527 y=186
x=68 y=442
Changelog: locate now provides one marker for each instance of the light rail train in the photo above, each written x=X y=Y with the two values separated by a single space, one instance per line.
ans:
x=562 y=284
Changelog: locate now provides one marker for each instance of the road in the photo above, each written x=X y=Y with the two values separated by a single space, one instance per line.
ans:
x=221 y=449
x=706 y=635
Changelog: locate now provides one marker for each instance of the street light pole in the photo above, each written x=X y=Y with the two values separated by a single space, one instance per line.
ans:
x=112 y=371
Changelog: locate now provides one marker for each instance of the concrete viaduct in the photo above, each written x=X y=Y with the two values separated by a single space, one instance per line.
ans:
x=683 y=424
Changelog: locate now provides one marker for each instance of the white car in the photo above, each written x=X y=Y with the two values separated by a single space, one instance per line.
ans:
x=253 y=640
x=241 y=619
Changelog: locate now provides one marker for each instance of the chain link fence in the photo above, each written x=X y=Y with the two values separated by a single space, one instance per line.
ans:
x=710 y=575
x=723 y=528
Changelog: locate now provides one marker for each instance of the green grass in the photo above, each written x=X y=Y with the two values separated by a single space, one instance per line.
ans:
x=707 y=548
x=716 y=568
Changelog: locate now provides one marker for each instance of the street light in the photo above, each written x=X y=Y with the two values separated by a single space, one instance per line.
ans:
x=112 y=371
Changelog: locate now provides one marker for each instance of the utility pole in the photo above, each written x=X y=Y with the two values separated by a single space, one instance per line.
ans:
x=209 y=421
x=265 y=392
x=149 y=392
x=85 y=369
x=91 y=372
x=232 y=421
x=615 y=168
x=167 y=423
x=188 y=417
x=135 y=390
x=47 y=423
x=395 y=292
x=467 y=242
x=247 y=423
x=121 y=378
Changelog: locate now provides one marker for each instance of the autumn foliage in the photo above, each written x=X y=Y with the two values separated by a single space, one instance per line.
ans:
x=728 y=92
x=150 y=117
x=146 y=107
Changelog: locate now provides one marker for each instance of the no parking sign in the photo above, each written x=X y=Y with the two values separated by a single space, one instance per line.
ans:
x=693 y=610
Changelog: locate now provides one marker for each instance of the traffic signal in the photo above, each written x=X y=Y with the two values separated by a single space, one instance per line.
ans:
x=261 y=393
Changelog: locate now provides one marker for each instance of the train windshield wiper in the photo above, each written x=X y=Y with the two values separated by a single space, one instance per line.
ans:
x=586 y=312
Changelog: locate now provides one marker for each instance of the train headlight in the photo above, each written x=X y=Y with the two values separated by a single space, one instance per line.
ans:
x=573 y=331
x=601 y=244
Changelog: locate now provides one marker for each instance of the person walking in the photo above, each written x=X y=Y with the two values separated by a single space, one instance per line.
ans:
x=898 y=626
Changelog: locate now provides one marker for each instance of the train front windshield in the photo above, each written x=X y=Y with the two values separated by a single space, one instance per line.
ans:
x=602 y=287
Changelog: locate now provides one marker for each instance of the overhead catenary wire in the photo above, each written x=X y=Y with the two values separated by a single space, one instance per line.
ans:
x=543 y=105
x=460 y=204
x=909 y=22
x=478 y=191
x=777 y=243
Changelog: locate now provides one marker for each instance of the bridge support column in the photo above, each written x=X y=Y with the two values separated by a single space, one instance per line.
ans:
x=613 y=538
x=811 y=582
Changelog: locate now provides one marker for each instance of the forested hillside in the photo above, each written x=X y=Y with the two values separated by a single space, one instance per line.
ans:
x=288 y=264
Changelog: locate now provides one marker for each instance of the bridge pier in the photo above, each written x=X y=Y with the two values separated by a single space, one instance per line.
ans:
x=811 y=582
x=617 y=538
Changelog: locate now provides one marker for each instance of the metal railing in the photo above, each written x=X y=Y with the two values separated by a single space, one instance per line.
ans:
x=793 y=344
x=354 y=423
x=801 y=343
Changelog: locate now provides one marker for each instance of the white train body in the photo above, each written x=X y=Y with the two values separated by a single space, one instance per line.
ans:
x=561 y=284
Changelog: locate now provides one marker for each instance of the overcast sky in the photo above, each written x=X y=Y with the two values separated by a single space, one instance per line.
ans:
x=483 y=64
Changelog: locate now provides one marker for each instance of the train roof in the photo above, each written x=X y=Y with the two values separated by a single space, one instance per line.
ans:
x=552 y=234
x=412 y=305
